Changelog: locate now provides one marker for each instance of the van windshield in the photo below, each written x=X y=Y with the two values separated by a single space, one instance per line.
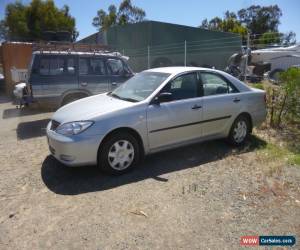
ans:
x=140 y=86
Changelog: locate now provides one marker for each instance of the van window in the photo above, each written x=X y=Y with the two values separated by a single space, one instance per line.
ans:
x=52 y=66
x=97 y=66
x=44 y=66
x=83 y=66
x=56 y=66
x=115 y=66
x=70 y=66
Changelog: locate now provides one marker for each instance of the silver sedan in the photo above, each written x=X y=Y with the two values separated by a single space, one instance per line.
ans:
x=155 y=110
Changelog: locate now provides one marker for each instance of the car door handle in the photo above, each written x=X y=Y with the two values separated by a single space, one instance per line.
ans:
x=236 y=100
x=196 y=106
x=83 y=84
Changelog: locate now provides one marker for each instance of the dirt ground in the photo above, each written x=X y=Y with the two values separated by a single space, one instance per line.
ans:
x=204 y=196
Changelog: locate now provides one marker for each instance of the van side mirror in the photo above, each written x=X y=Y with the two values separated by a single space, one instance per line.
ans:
x=162 y=97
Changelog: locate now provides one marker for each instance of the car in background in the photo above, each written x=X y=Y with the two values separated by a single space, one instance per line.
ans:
x=58 y=78
x=155 y=110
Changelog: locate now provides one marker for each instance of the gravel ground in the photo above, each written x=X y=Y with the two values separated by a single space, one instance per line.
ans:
x=204 y=196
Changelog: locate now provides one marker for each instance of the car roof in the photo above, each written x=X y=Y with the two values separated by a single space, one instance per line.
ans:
x=173 y=71
x=178 y=70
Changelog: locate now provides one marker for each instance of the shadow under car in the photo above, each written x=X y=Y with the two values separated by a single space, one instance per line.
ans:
x=73 y=181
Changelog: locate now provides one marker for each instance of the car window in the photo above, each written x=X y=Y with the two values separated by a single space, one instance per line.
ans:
x=44 y=66
x=97 y=66
x=70 y=66
x=83 y=66
x=183 y=87
x=51 y=66
x=115 y=66
x=215 y=85
x=54 y=65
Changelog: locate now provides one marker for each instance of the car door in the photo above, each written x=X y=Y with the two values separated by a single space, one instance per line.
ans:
x=221 y=102
x=93 y=75
x=118 y=72
x=177 y=120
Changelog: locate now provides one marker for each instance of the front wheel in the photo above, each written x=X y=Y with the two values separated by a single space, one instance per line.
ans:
x=119 y=153
x=239 y=131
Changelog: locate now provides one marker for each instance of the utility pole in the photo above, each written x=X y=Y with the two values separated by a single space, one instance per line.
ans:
x=185 y=53
x=247 y=55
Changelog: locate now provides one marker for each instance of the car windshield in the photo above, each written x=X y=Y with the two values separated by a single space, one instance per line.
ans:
x=140 y=86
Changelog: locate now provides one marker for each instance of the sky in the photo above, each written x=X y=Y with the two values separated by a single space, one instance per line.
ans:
x=189 y=12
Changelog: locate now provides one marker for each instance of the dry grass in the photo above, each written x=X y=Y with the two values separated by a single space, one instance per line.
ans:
x=282 y=148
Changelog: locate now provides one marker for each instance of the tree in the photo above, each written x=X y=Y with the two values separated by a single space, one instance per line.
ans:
x=261 y=22
x=127 y=13
x=259 y=19
x=29 y=22
x=228 y=24
x=289 y=38
x=269 y=38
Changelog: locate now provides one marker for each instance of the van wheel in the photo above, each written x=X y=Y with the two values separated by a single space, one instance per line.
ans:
x=239 y=131
x=72 y=97
x=119 y=153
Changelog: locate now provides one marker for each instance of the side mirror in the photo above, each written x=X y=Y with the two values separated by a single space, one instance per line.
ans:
x=162 y=97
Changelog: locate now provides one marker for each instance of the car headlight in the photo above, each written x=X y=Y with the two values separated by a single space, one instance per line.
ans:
x=73 y=128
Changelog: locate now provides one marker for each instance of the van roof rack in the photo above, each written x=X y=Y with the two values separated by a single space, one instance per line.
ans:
x=66 y=47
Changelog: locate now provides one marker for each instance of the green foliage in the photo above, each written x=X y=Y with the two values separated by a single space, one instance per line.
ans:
x=228 y=24
x=270 y=37
x=274 y=152
x=284 y=101
x=258 y=86
x=291 y=88
x=262 y=21
x=127 y=13
x=28 y=22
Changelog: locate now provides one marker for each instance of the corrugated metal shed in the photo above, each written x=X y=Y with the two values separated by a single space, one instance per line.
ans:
x=155 y=44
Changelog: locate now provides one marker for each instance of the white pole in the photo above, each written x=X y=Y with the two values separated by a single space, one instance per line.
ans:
x=185 y=53
x=247 y=50
x=148 y=57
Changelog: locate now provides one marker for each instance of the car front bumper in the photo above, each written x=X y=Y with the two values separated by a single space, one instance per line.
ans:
x=77 y=150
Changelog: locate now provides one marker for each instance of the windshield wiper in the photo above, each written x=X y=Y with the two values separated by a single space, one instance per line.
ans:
x=122 y=98
x=129 y=99
x=114 y=95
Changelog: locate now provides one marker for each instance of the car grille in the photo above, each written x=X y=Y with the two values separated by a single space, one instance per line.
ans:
x=54 y=125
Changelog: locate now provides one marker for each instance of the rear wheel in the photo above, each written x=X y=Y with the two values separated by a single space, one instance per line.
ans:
x=119 y=153
x=239 y=131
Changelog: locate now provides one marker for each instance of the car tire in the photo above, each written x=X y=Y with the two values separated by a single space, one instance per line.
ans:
x=119 y=153
x=72 y=98
x=239 y=131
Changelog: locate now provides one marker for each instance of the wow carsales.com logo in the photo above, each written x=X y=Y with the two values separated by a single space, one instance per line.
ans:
x=267 y=241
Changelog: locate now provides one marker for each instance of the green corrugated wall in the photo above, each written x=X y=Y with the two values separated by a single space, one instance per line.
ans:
x=166 y=44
